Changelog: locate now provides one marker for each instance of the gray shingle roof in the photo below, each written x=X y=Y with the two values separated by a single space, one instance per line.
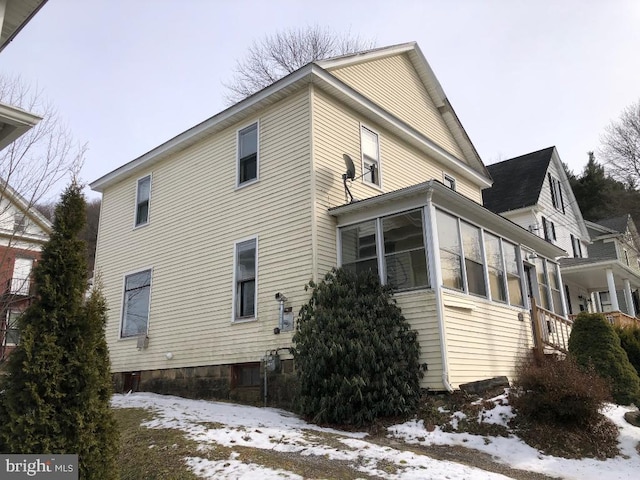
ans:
x=619 y=224
x=517 y=182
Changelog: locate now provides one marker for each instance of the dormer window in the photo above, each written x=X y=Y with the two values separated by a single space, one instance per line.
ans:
x=370 y=156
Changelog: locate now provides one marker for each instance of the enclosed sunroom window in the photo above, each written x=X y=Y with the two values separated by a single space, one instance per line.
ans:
x=404 y=253
x=358 y=247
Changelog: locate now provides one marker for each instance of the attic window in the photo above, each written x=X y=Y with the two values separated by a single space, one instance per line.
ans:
x=449 y=182
x=19 y=223
x=556 y=194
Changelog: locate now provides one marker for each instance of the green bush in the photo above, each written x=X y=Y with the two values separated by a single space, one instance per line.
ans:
x=630 y=342
x=593 y=342
x=356 y=356
x=550 y=390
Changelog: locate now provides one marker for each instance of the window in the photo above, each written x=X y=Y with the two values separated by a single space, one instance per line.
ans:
x=142 y=201
x=135 y=311
x=20 y=281
x=358 y=247
x=549 y=229
x=12 y=334
x=19 y=223
x=576 y=246
x=370 y=156
x=248 y=154
x=495 y=267
x=404 y=253
x=554 y=286
x=626 y=256
x=473 y=259
x=450 y=250
x=449 y=182
x=245 y=375
x=514 y=283
x=245 y=280
x=556 y=193
x=542 y=283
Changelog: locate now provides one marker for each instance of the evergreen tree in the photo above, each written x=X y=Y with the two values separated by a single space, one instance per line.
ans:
x=57 y=392
x=594 y=343
x=356 y=355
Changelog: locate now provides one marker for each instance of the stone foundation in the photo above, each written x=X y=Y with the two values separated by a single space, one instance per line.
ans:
x=213 y=382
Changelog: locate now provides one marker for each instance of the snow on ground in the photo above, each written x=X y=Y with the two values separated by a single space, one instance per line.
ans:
x=230 y=425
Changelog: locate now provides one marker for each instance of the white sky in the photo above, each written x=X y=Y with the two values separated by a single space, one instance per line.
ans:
x=214 y=423
x=128 y=75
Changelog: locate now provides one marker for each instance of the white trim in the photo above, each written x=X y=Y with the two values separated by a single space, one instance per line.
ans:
x=374 y=54
x=234 y=301
x=124 y=286
x=238 y=130
x=137 y=225
x=378 y=160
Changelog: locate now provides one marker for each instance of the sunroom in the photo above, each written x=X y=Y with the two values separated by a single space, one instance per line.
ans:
x=463 y=276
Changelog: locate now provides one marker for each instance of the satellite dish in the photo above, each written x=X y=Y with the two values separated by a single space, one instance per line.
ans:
x=351 y=168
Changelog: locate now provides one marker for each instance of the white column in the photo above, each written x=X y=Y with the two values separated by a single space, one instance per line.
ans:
x=629 y=299
x=612 y=291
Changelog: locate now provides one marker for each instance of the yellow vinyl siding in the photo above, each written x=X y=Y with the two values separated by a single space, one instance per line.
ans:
x=419 y=308
x=484 y=339
x=196 y=215
x=337 y=131
x=393 y=83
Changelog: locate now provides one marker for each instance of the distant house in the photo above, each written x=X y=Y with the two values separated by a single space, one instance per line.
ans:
x=23 y=230
x=533 y=191
x=201 y=238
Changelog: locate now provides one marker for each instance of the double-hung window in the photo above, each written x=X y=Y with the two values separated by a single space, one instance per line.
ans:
x=21 y=278
x=245 y=280
x=143 y=195
x=135 y=311
x=12 y=332
x=495 y=267
x=556 y=193
x=404 y=253
x=450 y=250
x=370 y=156
x=248 y=154
x=514 y=284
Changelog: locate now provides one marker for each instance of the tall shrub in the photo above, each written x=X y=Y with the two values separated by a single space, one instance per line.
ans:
x=56 y=396
x=593 y=342
x=356 y=355
x=630 y=342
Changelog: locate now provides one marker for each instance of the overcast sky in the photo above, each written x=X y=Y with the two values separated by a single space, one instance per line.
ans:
x=128 y=75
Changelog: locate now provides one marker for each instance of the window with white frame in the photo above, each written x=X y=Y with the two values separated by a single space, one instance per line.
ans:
x=576 y=246
x=12 y=332
x=403 y=258
x=143 y=195
x=541 y=272
x=370 y=155
x=19 y=222
x=449 y=182
x=473 y=259
x=248 y=154
x=495 y=267
x=554 y=287
x=556 y=193
x=245 y=280
x=512 y=262
x=135 y=310
x=626 y=256
x=450 y=250
x=358 y=247
x=21 y=278
x=404 y=253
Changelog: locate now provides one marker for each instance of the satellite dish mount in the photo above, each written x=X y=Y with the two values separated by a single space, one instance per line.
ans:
x=350 y=174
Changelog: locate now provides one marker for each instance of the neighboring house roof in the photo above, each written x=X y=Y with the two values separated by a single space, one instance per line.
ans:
x=316 y=74
x=14 y=122
x=617 y=224
x=517 y=182
x=9 y=193
x=14 y=15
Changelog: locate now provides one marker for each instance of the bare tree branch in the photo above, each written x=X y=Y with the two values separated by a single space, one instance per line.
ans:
x=621 y=146
x=284 y=52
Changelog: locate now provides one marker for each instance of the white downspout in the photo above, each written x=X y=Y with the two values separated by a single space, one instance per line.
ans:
x=435 y=277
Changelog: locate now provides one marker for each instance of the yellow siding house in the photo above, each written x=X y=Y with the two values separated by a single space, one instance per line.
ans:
x=207 y=241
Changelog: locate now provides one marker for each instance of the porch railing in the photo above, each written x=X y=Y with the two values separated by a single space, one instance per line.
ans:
x=617 y=319
x=550 y=330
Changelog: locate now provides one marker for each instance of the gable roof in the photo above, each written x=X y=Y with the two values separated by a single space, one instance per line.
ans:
x=17 y=13
x=517 y=182
x=9 y=193
x=314 y=73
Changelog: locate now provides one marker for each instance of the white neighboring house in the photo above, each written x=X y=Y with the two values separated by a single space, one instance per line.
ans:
x=533 y=191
